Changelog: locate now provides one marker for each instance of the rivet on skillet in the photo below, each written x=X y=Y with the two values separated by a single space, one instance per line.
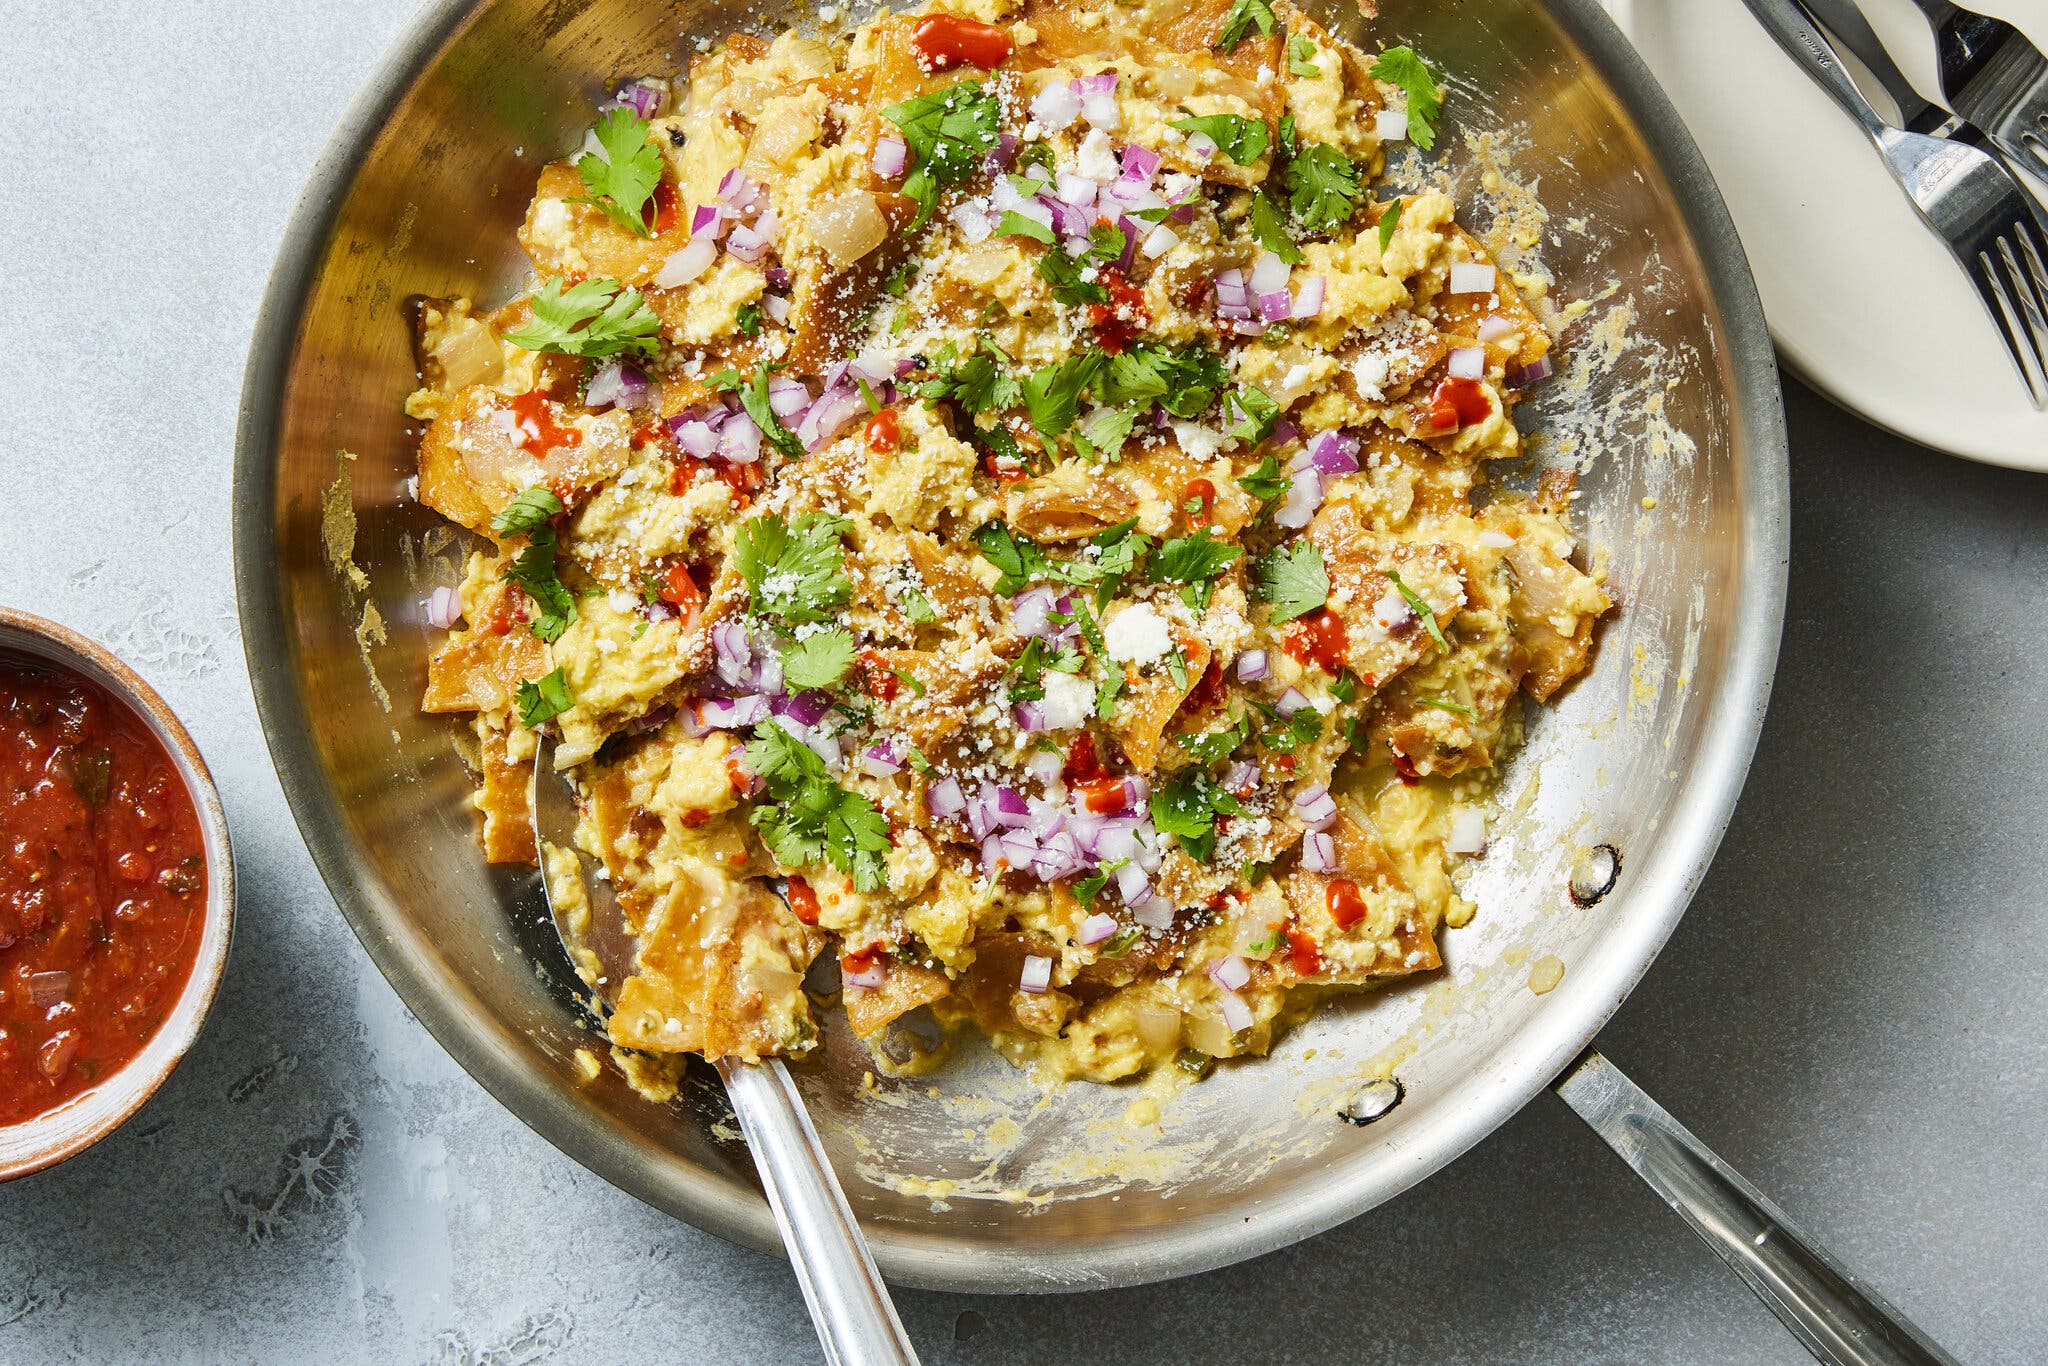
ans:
x=1375 y=1100
x=1594 y=874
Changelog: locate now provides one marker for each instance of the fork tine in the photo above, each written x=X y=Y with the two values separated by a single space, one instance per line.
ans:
x=1991 y=284
x=2030 y=286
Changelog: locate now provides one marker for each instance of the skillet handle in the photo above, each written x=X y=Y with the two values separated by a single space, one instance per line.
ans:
x=1833 y=1315
x=850 y=1306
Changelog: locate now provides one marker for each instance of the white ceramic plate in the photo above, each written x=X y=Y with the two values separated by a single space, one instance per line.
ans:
x=1864 y=303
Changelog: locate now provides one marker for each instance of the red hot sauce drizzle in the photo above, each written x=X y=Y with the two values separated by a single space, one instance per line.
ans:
x=102 y=886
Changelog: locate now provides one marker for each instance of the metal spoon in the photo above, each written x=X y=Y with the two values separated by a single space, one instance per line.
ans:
x=850 y=1306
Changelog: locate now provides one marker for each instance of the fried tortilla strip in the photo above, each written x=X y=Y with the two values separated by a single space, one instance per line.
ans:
x=480 y=670
x=1460 y=315
x=1391 y=937
x=990 y=995
x=474 y=457
x=1071 y=503
x=1383 y=635
x=506 y=795
x=1148 y=702
x=566 y=236
x=1554 y=604
x=908 y=986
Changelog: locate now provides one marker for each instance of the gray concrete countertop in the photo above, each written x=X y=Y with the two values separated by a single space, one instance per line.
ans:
x=1852 y=1013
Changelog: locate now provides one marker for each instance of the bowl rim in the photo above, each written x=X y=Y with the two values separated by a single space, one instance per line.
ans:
x=87 y=1118
x=1524 y=1064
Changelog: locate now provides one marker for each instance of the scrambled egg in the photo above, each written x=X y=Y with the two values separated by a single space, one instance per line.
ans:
x=1007 y=479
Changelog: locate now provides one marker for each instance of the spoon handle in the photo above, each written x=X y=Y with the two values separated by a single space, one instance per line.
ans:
x=1834 y=1316
x=850 y=1306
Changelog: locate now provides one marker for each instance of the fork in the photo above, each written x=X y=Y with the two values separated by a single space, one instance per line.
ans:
x=1970 y=201
x=1993 y=77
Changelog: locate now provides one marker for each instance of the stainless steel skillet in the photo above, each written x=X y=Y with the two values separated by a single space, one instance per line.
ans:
x=419 y=194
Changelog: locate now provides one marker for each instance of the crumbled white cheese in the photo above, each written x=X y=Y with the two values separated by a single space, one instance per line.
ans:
x=1199 y=442
x=1370 y=371
x=1137 y=635
x=1096 y=159
x=1068 y=702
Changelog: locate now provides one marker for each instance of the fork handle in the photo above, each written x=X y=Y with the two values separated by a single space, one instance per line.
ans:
x=1805 y=44
x=1843 y=23
x=1834 y=1316
x=850 y=1306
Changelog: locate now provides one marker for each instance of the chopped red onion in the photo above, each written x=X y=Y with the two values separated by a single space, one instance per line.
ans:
x=1030 y=717
x=1077 y=191
x=944 y=799
x=1535 y=372
x=1001 y=155
x=880 y=760
x=1132 y=884
x=1237 y=1016
x=1201 y=146
x=1304 y=495
x=1044 y=767
x=733 y=713
x=1037 y=974
x=739 y=191
x=1334 y=452
x=693 y=435
x=1472 y=277
x=1097 y=928
x=1391 y=125
x=777 y=309
x=1231 y=299
x=1284 y=432
x=1230 y=972
x=778 y=277
x=1269 y=273
x=804 y=708
x=1251 y=666
x=50 y=988
x=643 y=97
x=706 y=221
x=1102 y=112
x=830 y=415
x=1132 y=231
x=620 y=385
x=1276 y=306
x=443 y=608
x=1316 y=807
x=1159 y=241
x=890 y=158
x=1101 y=83
x=1056 y=106
x=1066 y=219
x=1309 y=303
x=1466 y=362
x=1140 y=164
x=1155 y=913
x=688 y=263
x=1290 y=702
x=691 y=720
x=739 y=440
x=1496 y=328
x=787 y=397
x=1031 y=611
x=869 y=977
x=1020 y=849
x=751 y=242
x=1468 y=832
x=1077 y=246
x=972 y=220
x=1241 y=778
x=1059 y=856
x=1318 y=852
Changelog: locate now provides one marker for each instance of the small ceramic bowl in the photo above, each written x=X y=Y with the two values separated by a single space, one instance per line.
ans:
x=85 y=1119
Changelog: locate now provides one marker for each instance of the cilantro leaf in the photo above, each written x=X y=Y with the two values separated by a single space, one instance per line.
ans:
x=794 y=572
x=1389 y=221
x=1131 y=376
x=1444 y=704
x=976 y=384
x=1106 y=244
x=1405 y=67
x=593 y=318
x=1293 y=579
x=807 y=818
x=1103 y=435
x=624 y=178
x=541 y=700
x=1322 y=187
x=1244 y=16
x=1294 y=732
x=918 y=607
x=754 y=398
x=949 y=132
x=1017 y=558
x=1106 y=691
x=1187 y=808
x=1117 y=552
x=1265 y=480
x=1184 y=381
x=1069 y=286
x=818 y=660
x=1216 y=744
x=1194 y=561
x=748 y=320
x=1255 y=415
x=1014 y=224
x=1242 y=140
x=533 y=569
x=1421 y=608
x=533 y=507
x=1086 y=889
x=1301 y=56
x=1269 y=229
x=1053 y=392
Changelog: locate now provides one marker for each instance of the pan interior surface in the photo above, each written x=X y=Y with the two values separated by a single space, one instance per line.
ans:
x=1666 y=399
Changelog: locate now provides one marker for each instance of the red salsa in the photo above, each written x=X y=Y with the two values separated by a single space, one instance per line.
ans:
x=102 y=886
